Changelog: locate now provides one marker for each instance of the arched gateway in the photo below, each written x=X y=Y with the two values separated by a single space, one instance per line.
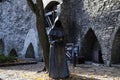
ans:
x=1 y=46
x=30 y=52
x=91 y=49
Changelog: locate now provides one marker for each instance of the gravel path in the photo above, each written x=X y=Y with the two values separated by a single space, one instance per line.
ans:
x=21 y=72
x=97 y=72
x=81 y=72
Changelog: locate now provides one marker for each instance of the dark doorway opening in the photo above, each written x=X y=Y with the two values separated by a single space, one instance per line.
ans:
x=1 y=46
x=115 y=56
x=30 y=52
x=0 y=0
x=13 y=53
x=91 y=49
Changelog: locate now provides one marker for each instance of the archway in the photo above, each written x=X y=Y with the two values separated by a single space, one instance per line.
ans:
x=115 y=54
x=30 y=52
x=50 y=6
x=91 y=48
x=13 y=53
x=1 y=46
x=50 y=13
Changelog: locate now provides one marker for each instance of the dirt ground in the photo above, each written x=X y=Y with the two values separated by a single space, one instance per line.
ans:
x=81 y=72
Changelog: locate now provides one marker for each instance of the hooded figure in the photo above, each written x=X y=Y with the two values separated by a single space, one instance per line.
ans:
x=58 y=65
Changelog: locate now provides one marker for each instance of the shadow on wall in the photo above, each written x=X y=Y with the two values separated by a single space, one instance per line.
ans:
x=90 y=48
x=115 y=54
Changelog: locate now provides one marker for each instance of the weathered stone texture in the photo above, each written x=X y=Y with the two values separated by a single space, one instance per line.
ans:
x=78 y=17
x=18 y=26
x=102 y=16
x=16 y=19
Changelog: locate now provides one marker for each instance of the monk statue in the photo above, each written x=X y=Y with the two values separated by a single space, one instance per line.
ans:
x=58 y=68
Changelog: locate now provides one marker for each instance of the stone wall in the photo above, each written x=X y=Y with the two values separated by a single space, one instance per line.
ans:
x=17 y=25
x=65 y=17
x=17 y=22
x=102 y=16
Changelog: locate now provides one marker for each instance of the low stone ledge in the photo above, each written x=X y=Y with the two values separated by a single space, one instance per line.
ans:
x=18 y=63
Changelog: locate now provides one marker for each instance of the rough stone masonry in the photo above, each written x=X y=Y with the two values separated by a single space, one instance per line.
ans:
x=95 y=23
x=17 y=27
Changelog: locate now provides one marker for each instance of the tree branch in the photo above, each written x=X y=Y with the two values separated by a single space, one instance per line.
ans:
x=39 y=3
x=40 y=6
x=32 y=5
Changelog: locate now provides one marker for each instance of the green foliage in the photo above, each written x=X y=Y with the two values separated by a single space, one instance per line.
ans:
x=4 y=59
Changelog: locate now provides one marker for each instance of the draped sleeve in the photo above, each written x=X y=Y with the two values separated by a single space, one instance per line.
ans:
x=56 y=35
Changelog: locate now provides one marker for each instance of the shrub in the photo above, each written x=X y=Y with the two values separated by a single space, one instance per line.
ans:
x=4 y=59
